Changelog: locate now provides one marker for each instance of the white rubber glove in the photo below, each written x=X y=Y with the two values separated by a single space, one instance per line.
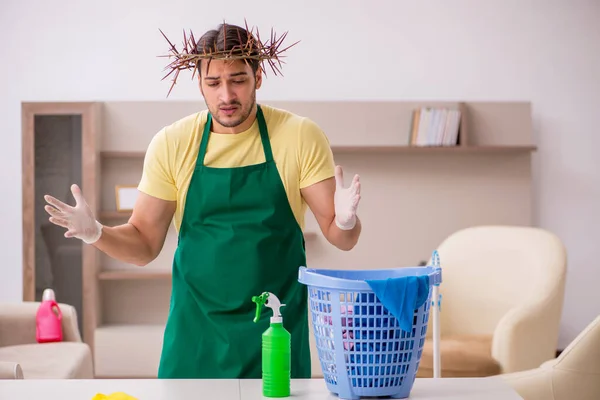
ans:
x=345 y=200
x=79 y=220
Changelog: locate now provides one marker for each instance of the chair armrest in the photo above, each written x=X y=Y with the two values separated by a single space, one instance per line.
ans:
x=532 y=384
x=527 y=335
x=10 y=370
x=17 y=323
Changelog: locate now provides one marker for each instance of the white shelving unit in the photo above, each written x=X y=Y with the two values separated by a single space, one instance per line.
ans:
x=413 y=197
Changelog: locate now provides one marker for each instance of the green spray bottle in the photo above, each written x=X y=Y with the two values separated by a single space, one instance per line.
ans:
x=276 y=349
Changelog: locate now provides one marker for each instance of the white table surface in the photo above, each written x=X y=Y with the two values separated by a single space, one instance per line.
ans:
x=314 y=389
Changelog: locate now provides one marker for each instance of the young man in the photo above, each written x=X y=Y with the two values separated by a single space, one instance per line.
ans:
x=236 y=179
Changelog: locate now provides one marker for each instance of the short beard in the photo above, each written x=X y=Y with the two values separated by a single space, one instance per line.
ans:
x=245 y=114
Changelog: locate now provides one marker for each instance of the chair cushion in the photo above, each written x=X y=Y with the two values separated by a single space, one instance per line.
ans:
x=62 y=360
x=461 y=356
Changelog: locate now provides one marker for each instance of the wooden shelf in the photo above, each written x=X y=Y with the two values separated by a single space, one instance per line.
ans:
x=133 y=275
x=398 y=149
x=114 y=214
x=434 y=149
x=108 y=215
x=122 y=154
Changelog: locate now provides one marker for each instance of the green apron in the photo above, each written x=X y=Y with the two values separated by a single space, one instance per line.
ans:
x=238 y=238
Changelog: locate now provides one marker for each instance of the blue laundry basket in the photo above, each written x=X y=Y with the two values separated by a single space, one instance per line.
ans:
x=362 y=349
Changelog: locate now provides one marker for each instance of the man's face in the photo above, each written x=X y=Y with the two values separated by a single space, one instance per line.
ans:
x=229 y=90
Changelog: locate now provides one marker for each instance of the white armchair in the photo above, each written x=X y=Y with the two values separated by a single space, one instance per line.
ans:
x=22 y=357
x=502 y=296
x=574 y=375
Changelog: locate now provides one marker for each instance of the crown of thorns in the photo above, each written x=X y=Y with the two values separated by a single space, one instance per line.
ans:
x=191 y=55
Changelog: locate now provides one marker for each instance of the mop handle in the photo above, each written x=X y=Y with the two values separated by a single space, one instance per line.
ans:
x=437 y=368
x=436 y=304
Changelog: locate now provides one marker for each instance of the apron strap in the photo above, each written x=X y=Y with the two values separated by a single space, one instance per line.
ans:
x=262 y=127
x=264 y=134
x=204 y=142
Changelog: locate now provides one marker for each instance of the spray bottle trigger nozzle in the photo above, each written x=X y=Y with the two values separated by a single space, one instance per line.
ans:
x=260 y=301
x=270 y=300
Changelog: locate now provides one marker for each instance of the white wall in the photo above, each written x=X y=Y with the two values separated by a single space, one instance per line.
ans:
x=547 y=52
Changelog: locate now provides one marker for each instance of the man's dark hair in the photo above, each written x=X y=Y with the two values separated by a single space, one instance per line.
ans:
x=229 y=38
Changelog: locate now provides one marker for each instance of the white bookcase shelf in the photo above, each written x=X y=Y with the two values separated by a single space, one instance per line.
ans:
x=413 y=197
x=400 y=149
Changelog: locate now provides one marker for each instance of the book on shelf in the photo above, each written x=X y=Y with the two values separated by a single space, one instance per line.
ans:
x=431 y=126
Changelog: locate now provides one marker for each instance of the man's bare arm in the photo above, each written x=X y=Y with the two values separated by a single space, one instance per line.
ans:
x=320 y=199
x=138 y=241
x=141 y=239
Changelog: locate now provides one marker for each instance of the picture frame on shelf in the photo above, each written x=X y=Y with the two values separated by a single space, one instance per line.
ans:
x=126 y=196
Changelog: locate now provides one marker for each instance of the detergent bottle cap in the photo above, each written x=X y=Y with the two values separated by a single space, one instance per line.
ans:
x=48 y=295
x=270 y=300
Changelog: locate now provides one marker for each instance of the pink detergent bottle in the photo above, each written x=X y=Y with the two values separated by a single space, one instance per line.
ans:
x=48 y=319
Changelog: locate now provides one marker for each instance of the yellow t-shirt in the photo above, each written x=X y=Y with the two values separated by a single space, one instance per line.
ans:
x=300 y=149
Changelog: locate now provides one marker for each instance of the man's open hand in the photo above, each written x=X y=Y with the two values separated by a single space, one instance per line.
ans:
x=346 y=200
x=79 y=220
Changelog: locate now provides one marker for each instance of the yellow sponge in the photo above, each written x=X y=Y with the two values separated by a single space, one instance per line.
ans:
x=114 y=396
